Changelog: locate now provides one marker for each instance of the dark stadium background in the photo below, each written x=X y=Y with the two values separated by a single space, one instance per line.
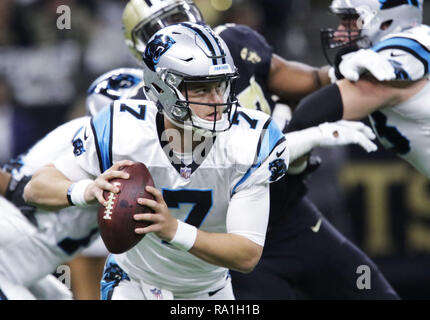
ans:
x=377 y=200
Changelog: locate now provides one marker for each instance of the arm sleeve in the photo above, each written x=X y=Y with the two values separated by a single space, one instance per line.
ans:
x=324 y=105
x=248 y=213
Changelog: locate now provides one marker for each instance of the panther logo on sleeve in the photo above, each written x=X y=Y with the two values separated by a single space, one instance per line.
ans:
x=278 y=169
x=78 y=147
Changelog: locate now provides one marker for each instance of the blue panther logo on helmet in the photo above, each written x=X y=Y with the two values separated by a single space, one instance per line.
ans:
x=122 y=81
x=156 y=48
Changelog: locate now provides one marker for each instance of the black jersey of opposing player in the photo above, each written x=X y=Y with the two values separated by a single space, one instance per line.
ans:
x=252 y=56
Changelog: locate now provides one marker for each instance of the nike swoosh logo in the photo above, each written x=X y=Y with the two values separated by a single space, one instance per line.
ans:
x=186 y=60
x=214 y=292
x=278 y=154
x=317 y=227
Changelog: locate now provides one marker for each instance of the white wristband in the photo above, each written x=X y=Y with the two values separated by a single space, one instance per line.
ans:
x=303 y=141
x=185 y=236
x=76 y=192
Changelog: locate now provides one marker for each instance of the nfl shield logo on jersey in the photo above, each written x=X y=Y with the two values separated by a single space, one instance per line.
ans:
x=185 y=172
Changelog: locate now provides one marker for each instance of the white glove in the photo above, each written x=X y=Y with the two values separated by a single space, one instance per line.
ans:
x=330 y=134
x=356 y=63
x=343 y=132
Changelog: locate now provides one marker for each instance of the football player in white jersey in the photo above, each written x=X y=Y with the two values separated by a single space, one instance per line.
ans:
x=262 y=74
x=34 y=244
x=140 y=18
x=186 y=253
x=60 y=237
x=397 y=107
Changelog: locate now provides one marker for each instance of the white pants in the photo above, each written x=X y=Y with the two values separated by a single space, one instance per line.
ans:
x=138 y=290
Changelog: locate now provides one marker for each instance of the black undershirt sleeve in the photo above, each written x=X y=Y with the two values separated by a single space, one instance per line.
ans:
x=324 y=105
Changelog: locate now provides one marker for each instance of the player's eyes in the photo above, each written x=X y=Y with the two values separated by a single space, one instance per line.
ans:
x=218 y=88
x=200 y=91
x=221 y=87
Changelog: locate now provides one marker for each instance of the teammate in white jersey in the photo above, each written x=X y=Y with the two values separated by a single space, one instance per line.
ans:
x=33 y=246
x=394 y=36
x=190 y=78
x=36 y=243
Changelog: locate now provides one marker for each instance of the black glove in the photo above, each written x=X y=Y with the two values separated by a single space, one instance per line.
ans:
x=14 y=193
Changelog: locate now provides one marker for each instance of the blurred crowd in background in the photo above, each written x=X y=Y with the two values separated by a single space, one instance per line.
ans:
x=379 y=202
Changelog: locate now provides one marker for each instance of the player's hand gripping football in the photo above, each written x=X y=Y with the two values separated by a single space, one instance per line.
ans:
x=344 y=132
x=164 y=225
x=95 y=190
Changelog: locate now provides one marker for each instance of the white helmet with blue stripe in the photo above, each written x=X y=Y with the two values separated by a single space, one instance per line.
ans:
x=375 y=20
x=188 y=53
x=111 y=86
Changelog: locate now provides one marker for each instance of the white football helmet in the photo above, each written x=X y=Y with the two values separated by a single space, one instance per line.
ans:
x=111 y=86
x=375 y=19
x=142 y=18
x=189 y=53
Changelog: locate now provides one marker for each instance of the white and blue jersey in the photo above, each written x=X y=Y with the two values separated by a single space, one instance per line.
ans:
x=28 y=253
x=238 y=164
x=408 y=51
x=404 y=128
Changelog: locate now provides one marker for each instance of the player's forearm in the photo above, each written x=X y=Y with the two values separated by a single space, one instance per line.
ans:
x=323 y=76
x=48 y=189
x=365 y=96
x=4 y=181
x=227 y=250
x=292 y=81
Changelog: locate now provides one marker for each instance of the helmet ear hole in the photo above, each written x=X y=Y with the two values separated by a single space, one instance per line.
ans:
x=385 y=25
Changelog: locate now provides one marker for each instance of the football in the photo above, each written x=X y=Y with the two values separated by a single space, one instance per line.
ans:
x=116 y=223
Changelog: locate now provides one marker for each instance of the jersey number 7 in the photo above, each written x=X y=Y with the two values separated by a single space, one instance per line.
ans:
x=201 y=200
